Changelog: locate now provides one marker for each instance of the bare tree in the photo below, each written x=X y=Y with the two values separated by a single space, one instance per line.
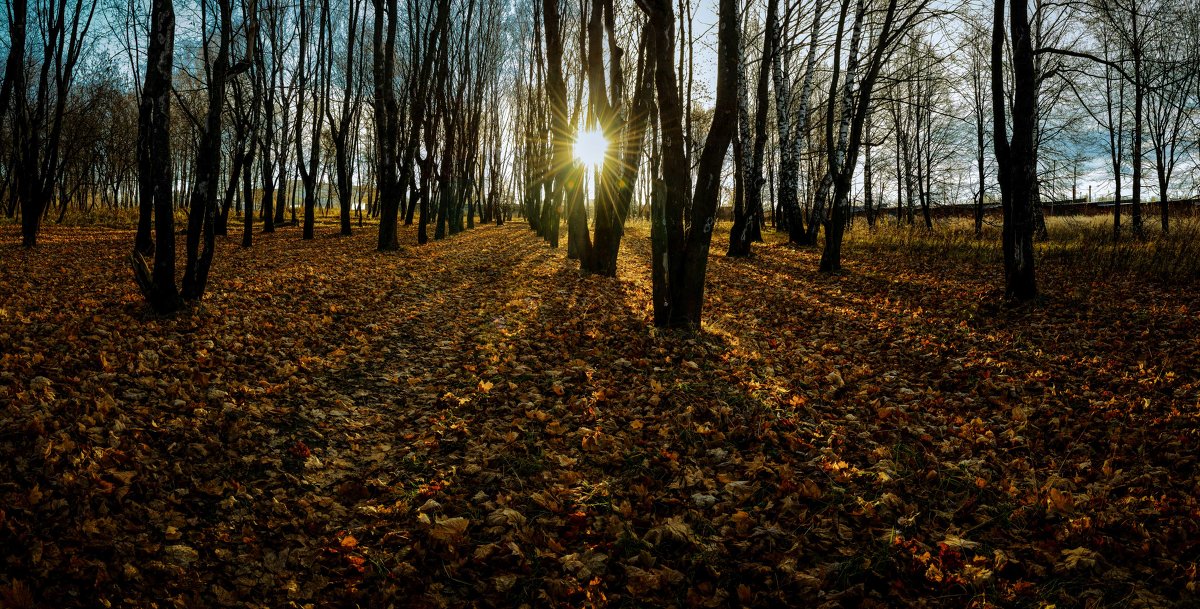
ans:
x=1171 y=78
x=747 y=224
x=14 y=66
x=679 y=253
x=14 y=77
x=253 y=119
x=1127 y=24
x=348 y=107
x=626 y=130
x=789 y=173
x=38 y=126
x=1015 y=157
x=387 y=119
x=977 y=99
x=203 y=208
x=310 y=69
x=857 y=88
x=560 y=168
x=154 y=128
x=158 y=285
x=387 y=109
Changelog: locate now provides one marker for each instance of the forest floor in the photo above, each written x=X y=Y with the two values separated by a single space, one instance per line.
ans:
x=474 y=423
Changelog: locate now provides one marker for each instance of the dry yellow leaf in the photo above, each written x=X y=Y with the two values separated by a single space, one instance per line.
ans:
x=449 y=530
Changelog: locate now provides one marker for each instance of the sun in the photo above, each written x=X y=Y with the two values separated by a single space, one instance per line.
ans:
x=590 y=147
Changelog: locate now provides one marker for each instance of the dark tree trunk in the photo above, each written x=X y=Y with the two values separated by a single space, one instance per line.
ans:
x=623 y=168
x=230 y=194
x=751 y=229
x=386 y=127
x=1164 y=201
x=414 y=198
x=680 y=259
x=14 y=67
x=1015 y=158
x=37 y=134
x=267 y=209
x=203 y=206
x=435 y=55
x=423 y=223
x=560 y=172
x=267 y=139
x=445 y=181
x=340 y=127
x=1139 y=97
x=856 y=105
x=154 y=145
x=789 y=168
x=868 y=184
x=982 y=175
x=248 y=192
x=309 y=170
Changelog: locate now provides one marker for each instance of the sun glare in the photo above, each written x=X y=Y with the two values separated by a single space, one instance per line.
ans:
x=590 y=147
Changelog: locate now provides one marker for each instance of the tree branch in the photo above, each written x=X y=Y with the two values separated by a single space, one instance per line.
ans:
x=1083 y=55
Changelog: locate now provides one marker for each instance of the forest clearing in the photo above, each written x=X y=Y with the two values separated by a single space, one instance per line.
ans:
x=475 y=422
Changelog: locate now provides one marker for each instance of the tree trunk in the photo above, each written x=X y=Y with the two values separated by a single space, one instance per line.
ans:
x=386 y=127
x=557 y=175
x=1015 y=158
x=308 y=170
x=681 y=258
x=979 y=155
x=14 y=67
x=203 y=205
x=154 y=145
x=842 y=156
x=743 y=151
x=798 y=233
x=868 y=185
x=37 y=134
x=235 y=169
x=740 y=240
x=445 y=180
x=248 y=184
x=423 y=223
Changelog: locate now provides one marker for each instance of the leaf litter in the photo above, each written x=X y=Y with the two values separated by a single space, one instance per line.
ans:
x=473 y=422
